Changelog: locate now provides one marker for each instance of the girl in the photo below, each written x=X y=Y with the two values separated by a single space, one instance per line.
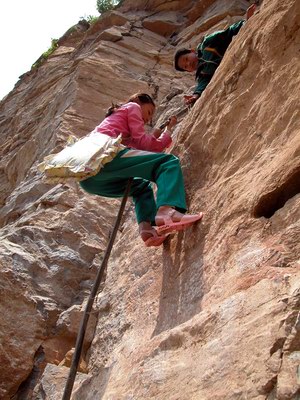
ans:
x=143 y=160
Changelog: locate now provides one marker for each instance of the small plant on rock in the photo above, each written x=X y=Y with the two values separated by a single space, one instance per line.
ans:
x=91 y=19
x=106 y=5
x=46 y=54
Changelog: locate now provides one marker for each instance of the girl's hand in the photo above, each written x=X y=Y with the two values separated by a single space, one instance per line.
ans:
x=156 y=132
x=172 y=123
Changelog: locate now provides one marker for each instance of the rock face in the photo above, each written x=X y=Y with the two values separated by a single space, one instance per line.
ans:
x=214 y=312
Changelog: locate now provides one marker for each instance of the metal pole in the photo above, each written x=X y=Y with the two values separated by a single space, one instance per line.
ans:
x=89 y=305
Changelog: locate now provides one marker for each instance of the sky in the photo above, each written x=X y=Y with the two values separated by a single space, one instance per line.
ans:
x=26 y=30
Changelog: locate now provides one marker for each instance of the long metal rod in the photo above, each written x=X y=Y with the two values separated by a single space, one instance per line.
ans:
x=89 y=305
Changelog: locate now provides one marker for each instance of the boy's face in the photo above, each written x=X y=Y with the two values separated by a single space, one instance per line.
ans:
x=188 y=61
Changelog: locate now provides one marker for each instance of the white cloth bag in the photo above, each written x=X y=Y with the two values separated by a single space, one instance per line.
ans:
x=82 y=159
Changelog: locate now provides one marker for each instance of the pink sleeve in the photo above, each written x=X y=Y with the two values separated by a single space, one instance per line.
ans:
x=139 y=139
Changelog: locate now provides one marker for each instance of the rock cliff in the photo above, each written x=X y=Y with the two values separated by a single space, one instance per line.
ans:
x=214 y=312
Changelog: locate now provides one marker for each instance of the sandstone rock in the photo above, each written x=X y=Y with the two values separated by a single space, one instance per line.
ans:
x=53 y=383
x=69 y=321
x=164 y=24
x=155 y=5
x=74 y=34
x=67 y=361
x=109 y=20
x=111 y=35
x=21 y=323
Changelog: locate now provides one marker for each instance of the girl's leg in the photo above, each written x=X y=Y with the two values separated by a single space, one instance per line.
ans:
x=164 y=169
x=141 y=192
x=144 y=202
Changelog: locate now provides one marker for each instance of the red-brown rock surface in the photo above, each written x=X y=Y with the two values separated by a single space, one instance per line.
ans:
x=214 y=313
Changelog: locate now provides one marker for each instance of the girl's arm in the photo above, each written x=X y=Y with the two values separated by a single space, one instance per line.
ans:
x=139 y=139
x=156 y=132
x=168 y=125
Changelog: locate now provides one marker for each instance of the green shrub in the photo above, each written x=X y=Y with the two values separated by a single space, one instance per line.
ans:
x=54 y=45
x=106 y=5
x=46 y=54
x=91 y=19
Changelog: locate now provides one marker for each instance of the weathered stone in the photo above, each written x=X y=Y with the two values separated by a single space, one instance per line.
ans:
x=164 y=24
x=53 y=382
x=21 y=323
x=69 y=321
x=111 y=35
x=108 y=20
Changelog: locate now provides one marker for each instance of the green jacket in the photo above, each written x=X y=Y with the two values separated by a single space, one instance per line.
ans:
x=210 y=54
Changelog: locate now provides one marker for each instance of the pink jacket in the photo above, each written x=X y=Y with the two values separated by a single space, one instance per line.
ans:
x=127 y=121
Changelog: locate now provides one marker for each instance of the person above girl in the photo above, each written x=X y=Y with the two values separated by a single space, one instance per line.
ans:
x=206 y=59
x=143 y=160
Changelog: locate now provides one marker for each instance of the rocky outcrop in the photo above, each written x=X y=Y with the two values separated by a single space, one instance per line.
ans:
x=212 y=314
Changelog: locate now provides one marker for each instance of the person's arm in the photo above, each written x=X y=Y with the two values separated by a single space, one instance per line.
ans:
x=234 y=29
x=202 y=82
x=220 y=40
x=250 y=11
x=167 y=125
x=157 y=132
x=139 y=139
x=191 y=99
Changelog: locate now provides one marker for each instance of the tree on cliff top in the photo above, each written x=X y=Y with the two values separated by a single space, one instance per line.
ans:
x=106 y=5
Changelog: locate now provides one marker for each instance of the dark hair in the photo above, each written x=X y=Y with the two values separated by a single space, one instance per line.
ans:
x=179 y=53
x=140 y=98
